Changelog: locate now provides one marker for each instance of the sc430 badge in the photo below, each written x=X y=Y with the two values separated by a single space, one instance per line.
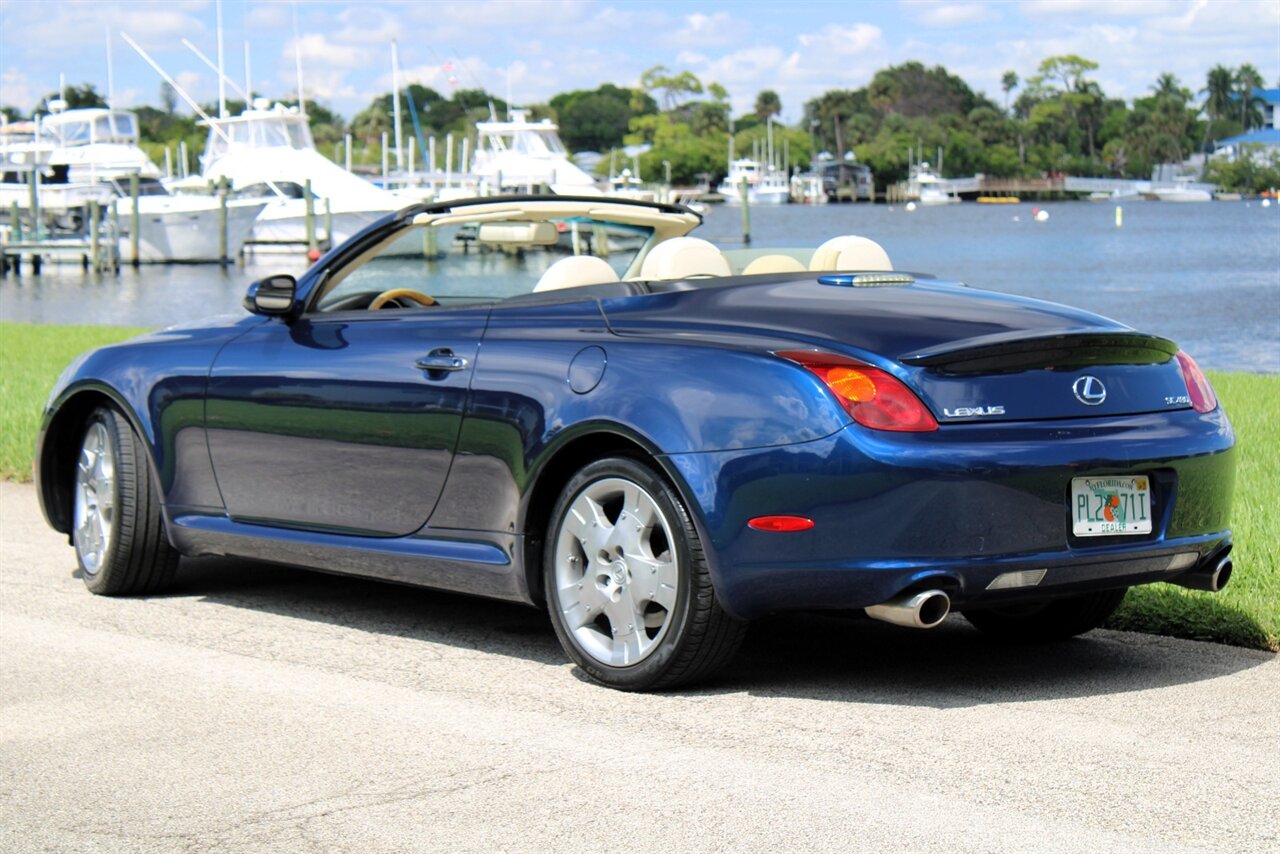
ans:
x=973 y=411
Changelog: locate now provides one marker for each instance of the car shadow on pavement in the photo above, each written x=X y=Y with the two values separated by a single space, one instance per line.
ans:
x=815 y=656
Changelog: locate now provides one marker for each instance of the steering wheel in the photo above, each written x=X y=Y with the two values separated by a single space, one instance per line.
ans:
x=400 y=293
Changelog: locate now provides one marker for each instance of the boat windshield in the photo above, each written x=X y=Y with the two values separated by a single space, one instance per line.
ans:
x=269 y=132
x=536 y=143
x=72 y=129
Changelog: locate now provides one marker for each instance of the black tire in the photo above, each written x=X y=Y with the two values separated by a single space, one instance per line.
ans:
x=692 y=638
x=1051 y=620
x=137 y=557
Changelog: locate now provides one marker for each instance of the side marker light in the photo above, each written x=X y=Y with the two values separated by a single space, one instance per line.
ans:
x=780 y=524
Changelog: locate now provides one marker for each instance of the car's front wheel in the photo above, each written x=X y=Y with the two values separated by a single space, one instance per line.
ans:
x=1053 y=619
x=627 y=583
x=117 y=527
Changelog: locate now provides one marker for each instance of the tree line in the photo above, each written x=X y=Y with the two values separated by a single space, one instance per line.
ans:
x=1056 y=120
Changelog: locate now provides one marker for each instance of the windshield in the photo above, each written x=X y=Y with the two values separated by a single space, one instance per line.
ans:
x=450 y=264
x=284 y=131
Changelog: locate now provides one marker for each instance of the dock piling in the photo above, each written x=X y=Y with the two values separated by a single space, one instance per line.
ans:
x=746 y=212
x=95 y=247
x=222 y=221
x=135 y=221
x=310 y=216
x=328 y=222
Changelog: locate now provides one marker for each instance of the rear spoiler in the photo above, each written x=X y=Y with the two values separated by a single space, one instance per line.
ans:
x=1065 y=351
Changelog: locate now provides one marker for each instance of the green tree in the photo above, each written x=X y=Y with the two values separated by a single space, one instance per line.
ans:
x=1008 y=82
x=598 y=119
x=1247 y=79
x=768 y=104
x=77 y=97
x=675 y=87
x=1218 y=101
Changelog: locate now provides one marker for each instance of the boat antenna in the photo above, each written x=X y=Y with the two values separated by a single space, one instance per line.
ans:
x=222 y=78
x=182 y=93
x=297 y=60
x=111 y=89
x=395 y=102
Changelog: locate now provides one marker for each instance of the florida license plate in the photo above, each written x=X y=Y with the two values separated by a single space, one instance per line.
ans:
x=1103 y=506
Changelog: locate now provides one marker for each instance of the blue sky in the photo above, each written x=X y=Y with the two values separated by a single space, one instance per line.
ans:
x=540 y=47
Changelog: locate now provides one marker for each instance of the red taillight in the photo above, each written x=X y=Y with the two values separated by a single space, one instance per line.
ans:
x=780 y=524
x=1202 y=397
x=874 y=398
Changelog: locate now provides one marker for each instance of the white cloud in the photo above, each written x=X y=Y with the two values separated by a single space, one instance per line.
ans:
x=835 y=39
x=932 y=13
x=16 y=90
x=702 y=30
x=268 y=16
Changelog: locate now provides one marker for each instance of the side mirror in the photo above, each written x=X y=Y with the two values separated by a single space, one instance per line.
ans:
x=272 y=296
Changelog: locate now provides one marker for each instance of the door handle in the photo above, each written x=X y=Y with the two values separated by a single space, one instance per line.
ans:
x=441 y=360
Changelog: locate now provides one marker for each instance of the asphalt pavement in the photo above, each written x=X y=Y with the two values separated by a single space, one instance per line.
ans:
x=260 y=708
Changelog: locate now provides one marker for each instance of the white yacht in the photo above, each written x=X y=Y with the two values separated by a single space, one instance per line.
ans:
x=1184 y=190
x=89 y=155
x=269 y=151
x=521 y=154
x=923 y=186
x=766 y=185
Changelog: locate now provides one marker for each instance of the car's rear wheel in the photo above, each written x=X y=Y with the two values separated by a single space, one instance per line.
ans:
x=627 y=583
x=1050 y=620
x=117 y=527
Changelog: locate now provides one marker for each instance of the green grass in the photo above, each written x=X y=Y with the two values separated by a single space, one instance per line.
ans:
x=1247 y=613
x=31 y=358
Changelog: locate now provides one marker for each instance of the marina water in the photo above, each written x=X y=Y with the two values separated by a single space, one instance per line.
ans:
x=1205 y=275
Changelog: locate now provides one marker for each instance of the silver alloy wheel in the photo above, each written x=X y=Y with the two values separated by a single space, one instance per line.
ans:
x=616 y=571
x=95 y=510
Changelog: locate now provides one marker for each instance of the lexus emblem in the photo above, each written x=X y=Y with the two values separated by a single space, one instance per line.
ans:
x=1089 y=390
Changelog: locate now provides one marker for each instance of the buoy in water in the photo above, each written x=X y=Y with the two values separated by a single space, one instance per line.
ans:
x=911 y=206
x=313 y=254
x=1042 y=216
x=1266 y=203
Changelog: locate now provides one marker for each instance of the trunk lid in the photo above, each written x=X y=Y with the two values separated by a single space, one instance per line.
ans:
x=971 y=355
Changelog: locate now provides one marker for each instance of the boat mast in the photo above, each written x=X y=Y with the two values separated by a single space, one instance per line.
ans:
x=395 y=102
x=248 y=79
x=297 y=61
x=222 y=78
x=111 y=89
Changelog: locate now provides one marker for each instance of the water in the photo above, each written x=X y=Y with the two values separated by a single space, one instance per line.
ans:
x=1207 y=275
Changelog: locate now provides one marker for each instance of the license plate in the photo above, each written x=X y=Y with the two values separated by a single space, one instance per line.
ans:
x=1103 y=506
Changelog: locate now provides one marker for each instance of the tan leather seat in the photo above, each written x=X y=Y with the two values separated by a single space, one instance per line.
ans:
x=850 y=252
x=773 y=264
x=684 y=258
x=575 y=271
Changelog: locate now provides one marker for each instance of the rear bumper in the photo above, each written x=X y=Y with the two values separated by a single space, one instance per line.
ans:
x=955 y=508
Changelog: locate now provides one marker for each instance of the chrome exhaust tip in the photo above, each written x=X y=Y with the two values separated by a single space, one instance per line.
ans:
x=922 y=610
x=1212 y=580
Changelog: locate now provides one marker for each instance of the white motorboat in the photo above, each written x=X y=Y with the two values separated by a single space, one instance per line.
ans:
x=923 y=185
x=520 y=154
x=766 y=185
x=89 y=155
x=1183 y=191
x=269 y=152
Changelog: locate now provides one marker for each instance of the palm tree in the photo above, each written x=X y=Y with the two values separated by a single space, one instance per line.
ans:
x=1218 y=103
x=768 y=104
x=1008 y=82
x=1247 y=80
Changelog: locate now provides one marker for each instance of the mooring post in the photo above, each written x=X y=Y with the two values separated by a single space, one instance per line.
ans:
x=115 y=235
x=135 y=221
x=94 y=246
x=15 y=223
x=33 y=189
x=430 y=248
x=328 y=222
x=311 y=216
x=222 y=221
x=744 y=192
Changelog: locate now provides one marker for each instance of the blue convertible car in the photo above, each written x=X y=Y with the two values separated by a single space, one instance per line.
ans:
x=569 y=402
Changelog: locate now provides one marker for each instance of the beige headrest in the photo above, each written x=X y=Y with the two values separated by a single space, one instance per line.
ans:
x=773 y=264
x=850 y=253
x=575 y=271
x=684 y=258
